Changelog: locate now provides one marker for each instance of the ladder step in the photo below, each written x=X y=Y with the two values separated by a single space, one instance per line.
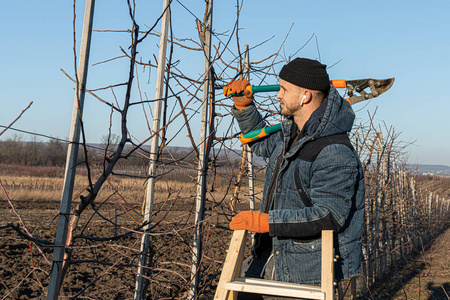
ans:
x=314 y=288
x=277 y=288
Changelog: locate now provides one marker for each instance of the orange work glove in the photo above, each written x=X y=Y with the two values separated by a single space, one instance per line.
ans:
x=237 y=87
x=251 y=220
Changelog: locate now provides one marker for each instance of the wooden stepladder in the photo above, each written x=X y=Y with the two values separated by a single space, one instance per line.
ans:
x=230 y=282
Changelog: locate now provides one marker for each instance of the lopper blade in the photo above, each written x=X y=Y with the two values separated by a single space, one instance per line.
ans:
x=376 y=86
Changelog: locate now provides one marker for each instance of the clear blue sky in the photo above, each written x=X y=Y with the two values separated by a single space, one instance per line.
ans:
x=408 y=40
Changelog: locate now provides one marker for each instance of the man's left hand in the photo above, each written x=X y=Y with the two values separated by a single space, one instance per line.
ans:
x=251 y=220
x=238 y=87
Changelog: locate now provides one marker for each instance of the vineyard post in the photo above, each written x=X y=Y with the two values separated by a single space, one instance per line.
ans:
x=72 y=154
x=448 y=205
x=389 y=215
x=378 y=204
x=402 y=220
x=251 y=188
x=447 y=209
x=430 y=213
x=369 y=232
x=394 y=207
x=408 y=214
x=202 y=159
x=430 y=199
x=251 y=183
x=414 y=206
x=362 y=277
x=401 y=210
x=403 y=207
x=436 y=212
x=144 y=259
x=385 y=208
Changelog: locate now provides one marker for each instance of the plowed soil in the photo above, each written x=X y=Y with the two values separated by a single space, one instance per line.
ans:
x=107 y=269
x=423 y=276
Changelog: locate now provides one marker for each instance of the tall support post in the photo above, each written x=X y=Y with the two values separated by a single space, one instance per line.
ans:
x=378 y=206
x=412 y=184
x=369 y=229
x=384 y=208
x=388 y=200
x=407 y=215
x=402 y=221
x=409 y=219
x=251 y=186
x=395 y=212
x=436 y=212
x=251 y=182
x=72 y=153
x=430 y=199
x=144 y=262
x=202 y=159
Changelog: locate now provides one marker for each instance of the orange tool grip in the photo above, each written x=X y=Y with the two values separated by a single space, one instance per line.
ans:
x=227 y=92
x=245 y=140
x=249 y=88
x=339 y=84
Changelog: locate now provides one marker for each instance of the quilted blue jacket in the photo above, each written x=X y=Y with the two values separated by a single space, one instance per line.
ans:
x=315 y=188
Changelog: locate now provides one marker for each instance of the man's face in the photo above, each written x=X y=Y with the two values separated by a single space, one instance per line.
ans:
x=290 y=97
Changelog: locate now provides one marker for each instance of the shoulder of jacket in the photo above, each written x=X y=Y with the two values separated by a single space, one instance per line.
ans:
x=313 y=147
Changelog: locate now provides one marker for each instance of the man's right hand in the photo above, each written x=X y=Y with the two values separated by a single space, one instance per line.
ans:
x=252 y=220
x=237 y=87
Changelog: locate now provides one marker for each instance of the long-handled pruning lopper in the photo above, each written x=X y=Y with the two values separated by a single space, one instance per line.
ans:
x=376 y=86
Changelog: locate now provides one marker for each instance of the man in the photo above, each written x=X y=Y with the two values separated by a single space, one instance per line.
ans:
x=314 y=179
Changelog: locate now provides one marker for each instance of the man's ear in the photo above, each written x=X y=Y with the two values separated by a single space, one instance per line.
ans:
x=307 y=97
x=303 y=100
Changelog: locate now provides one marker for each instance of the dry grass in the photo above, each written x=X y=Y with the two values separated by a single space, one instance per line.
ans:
x=130 y=190
x=32 y=188
x=49 y=188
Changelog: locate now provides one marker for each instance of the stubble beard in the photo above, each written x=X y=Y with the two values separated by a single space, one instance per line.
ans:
x=290 y=111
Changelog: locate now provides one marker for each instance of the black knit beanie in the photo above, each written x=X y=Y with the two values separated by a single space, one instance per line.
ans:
x=306 y=73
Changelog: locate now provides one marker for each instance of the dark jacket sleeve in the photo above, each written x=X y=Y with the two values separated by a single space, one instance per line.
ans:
x=250 y=119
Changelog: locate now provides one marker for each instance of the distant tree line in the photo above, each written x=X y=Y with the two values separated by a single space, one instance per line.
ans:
x=32 y=153
x=18 y=151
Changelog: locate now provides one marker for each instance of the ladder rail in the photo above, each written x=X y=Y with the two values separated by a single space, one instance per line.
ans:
x=232 y=265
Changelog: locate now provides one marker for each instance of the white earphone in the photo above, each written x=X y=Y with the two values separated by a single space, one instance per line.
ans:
x=303 y=99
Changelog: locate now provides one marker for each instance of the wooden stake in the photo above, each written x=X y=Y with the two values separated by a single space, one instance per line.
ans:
x=202 y=160
x=251 y=184
x=378 y=224
x=141 y=281
x=72 y=154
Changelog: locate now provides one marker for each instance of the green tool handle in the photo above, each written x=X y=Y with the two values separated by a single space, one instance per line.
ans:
x=253 y=89
x=265 y=88
x=272 y=129
x=259 y=133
